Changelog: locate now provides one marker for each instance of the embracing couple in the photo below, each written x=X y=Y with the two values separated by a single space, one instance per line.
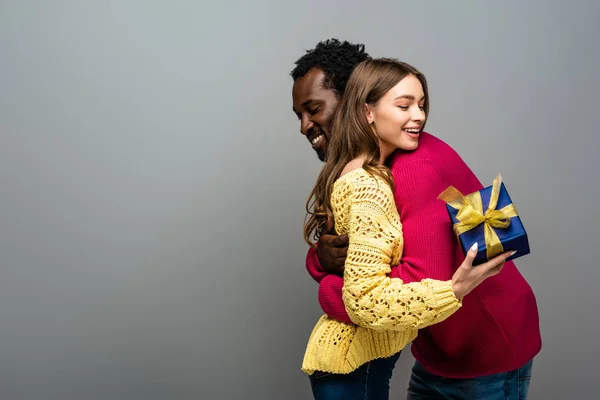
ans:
x=382 y=249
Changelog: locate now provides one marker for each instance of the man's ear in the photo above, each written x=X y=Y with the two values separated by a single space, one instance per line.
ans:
x=369 y=114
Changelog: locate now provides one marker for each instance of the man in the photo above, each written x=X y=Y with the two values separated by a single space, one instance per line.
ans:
x=486 y=348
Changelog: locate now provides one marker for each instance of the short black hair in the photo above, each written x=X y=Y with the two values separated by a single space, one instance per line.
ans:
x=336 y=59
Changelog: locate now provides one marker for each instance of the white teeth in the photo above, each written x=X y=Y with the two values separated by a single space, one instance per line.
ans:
x=412 y=130
x=317 y=139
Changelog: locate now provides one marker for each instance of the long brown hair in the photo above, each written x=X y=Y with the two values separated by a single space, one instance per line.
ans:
x=352 y=136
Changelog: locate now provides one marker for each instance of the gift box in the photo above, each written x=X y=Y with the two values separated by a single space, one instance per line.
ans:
x=489 y=218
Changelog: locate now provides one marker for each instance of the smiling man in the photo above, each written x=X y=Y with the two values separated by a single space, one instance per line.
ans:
x=320 y=79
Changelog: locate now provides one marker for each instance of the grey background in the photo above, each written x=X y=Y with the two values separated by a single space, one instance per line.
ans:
x=153 y=180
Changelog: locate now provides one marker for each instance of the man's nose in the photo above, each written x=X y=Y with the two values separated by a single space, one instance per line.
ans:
x=306 y=125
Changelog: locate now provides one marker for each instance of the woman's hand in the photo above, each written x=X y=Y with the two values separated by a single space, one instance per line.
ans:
x=467 y=277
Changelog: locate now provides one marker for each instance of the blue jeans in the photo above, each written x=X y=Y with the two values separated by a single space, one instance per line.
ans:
x=512 y=385
x=369 y=381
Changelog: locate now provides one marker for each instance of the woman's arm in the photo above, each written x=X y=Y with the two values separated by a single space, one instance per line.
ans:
x=371 y=298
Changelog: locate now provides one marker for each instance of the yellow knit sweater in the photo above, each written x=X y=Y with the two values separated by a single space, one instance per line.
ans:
x=387 y=313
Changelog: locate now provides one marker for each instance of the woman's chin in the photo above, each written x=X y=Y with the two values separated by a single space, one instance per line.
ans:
x=409 y=145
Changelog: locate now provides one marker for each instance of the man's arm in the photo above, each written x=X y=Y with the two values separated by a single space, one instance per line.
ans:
x=330 y=298
x=313 y=266
x=330 y=285
x=329 y=256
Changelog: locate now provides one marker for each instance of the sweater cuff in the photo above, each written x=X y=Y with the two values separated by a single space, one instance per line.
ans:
x=446 y=299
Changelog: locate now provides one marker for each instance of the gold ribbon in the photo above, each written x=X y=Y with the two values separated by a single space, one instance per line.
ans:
x=470 y=215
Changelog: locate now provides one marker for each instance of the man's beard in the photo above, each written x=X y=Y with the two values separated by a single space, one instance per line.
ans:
x=322 y=149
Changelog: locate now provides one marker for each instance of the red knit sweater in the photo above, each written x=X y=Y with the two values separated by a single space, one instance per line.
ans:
x=497 y=328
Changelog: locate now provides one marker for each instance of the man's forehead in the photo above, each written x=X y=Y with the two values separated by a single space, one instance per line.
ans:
x=310 y=87
x=312 y=81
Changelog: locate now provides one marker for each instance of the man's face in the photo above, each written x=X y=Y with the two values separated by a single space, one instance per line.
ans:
x=314 y=106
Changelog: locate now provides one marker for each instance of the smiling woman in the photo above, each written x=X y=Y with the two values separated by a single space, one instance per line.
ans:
x=399 y=117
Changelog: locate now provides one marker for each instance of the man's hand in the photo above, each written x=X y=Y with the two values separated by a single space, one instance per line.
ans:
x=332 y=250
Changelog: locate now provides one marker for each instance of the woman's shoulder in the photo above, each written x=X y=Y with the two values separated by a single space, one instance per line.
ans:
x=356 y=164
x=355 y=180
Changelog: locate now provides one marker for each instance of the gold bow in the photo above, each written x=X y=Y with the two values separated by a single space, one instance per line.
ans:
x=470 y=215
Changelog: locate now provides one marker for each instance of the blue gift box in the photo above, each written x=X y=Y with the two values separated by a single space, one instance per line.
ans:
x=513 y=237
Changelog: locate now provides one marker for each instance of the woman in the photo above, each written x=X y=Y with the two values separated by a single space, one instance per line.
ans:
x=384 y=108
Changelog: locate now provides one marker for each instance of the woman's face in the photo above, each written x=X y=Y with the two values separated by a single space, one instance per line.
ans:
x=398 y=117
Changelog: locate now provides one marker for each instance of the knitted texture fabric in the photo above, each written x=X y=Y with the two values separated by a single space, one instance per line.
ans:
x=386 y=313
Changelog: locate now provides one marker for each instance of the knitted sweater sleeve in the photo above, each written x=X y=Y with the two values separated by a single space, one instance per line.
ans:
x=372 y=299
